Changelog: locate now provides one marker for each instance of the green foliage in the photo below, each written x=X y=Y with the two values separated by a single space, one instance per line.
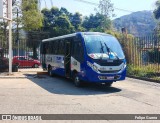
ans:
x=141 y=71
x=64 y=11
x=76 y=21
x=33 y=22
x=62 y=26
x=31 y=19
x=105 y=11
x=156 y=12
x=60 y=22
x=33 y=40
x=97 y=22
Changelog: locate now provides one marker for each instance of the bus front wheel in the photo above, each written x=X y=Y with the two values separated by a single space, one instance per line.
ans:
x=108 y=84
x=77 y=81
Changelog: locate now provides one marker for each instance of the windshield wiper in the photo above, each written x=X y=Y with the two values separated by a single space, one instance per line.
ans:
x=102 y=47
x=109 y=51
x=102 y=50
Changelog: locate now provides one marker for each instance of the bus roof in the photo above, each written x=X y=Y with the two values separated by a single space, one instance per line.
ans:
x=74 y=34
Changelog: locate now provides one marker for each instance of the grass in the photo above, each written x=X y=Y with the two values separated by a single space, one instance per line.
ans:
x=145 y=71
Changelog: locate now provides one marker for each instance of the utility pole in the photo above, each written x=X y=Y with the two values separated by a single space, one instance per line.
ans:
x=17 y=40
x=10 y=34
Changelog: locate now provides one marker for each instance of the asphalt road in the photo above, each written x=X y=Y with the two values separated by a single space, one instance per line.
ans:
x=56 y=95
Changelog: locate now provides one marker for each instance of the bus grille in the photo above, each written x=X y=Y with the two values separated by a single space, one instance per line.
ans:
x=105 y=63
x=115 y=71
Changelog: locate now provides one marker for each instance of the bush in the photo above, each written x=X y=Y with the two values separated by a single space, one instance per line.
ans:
x=143 y=71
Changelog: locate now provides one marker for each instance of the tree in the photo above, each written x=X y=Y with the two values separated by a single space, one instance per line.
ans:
x=64 y=11
x=4 y=33
x=32 y=22
x=101 y=20
x=96 y=23
x=58 y=22
x=62 y=26
x=106 y=9
x=33 y=40
x=157 y=10
x=3 y=27
x=49 y=18
x=76 y=21
x=32 y=18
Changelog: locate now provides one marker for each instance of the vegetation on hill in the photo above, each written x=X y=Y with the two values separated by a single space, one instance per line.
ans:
x=140 y=23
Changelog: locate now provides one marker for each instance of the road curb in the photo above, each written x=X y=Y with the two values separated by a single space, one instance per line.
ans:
x=145 y=79
x=14 y=77
x=42 y=73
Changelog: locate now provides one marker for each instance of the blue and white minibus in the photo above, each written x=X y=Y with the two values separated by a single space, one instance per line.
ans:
x=84 y=56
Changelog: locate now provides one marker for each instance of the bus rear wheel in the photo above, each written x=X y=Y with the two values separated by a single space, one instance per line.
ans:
x=77 y=81
x=50 y=71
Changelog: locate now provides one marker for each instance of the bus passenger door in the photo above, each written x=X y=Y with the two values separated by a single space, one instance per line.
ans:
x=67 y=60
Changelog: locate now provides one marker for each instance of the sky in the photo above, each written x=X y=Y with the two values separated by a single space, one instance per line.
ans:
x=86 y=9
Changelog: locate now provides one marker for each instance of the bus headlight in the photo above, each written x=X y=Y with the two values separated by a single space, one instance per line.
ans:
x=95 y=68
x=124 y=66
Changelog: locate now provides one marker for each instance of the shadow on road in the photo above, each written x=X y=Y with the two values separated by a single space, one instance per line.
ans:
x=60 y=85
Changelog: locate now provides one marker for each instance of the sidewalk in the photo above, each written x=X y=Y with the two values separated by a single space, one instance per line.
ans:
x=22 y=73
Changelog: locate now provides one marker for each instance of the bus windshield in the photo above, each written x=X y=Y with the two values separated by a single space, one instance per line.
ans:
x=103 y=44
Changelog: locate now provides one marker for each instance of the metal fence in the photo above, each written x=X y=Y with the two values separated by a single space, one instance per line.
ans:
x=143 y=55
x=26 y=54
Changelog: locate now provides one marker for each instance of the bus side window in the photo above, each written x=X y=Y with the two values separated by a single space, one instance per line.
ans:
x=78 y=53
x=43 y=49
x=56 y=46
x=61 y=47
x=50 y=48
x=46 y=47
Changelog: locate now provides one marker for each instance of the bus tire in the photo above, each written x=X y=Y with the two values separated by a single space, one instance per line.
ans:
x=50 y=72
x=17 y=64
x=108 y=84
x=77 y=81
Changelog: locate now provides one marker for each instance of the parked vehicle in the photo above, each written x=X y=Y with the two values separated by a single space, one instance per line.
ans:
x=24 y=61
x=84 y=56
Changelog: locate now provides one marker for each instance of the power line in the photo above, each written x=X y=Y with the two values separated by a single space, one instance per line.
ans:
x=96 y=4
x=87 y=2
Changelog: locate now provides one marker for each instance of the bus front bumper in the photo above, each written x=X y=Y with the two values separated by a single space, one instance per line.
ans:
x=93 y=76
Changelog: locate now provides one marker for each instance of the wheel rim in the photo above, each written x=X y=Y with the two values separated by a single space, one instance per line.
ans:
x=17 y=64
x=50 y=72
x=36 y=65
x=76 y=80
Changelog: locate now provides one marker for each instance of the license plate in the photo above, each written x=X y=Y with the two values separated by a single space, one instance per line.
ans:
x=110 y=77
x=109 y=60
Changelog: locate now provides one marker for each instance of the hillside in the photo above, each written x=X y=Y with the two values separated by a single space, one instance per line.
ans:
x=139 y=23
